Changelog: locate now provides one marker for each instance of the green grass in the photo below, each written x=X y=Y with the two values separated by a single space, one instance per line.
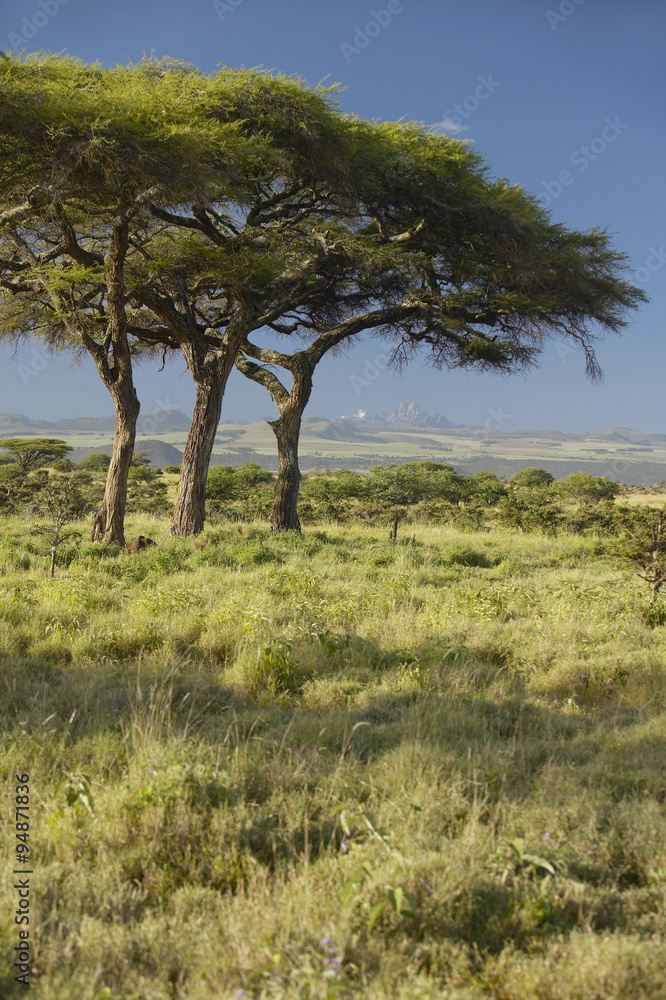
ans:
x=446 y=759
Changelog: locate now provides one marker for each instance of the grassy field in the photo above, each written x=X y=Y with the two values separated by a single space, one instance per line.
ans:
x=331 y=766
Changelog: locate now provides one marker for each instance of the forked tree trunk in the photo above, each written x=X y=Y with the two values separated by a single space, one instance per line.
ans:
x=190 y=510
x=287 y=427
x=109 y=522
x=287 y=430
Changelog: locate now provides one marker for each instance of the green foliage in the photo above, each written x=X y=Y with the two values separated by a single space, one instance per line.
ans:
x=140 y=473
x=643 y=543
x=221 y=483
x=10 y=472
x=250 y=474
x=240 y=494
x=589 y=489
x=66 y=496
x=531 y=477
x=484 y=487
x=530 y=508
x=97 y=462
x=32 y=452
x=63 y=498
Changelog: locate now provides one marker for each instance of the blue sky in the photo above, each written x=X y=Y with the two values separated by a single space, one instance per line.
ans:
x=565 y=97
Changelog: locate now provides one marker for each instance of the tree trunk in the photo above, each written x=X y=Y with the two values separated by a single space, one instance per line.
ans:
x=287 y=429
x=190 y=510
x=109 y=523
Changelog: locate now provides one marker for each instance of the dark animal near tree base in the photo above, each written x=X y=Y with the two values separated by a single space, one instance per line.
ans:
x=140 y=544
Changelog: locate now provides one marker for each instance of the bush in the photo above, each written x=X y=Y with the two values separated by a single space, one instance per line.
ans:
x=221 y=483
x=529 y=509
x=531 y=477
x=9 y=472
x=97 y=462
x=643 y=543
x=589 y=489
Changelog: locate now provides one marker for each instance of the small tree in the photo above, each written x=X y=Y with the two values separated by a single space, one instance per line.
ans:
x=643 y=543
x=30 y=452
x=589 y=489
x=63 y=499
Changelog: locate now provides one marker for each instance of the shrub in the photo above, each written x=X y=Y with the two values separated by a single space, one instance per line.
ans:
x=531 y=477
x=221 y=483
x=589 y=489
x=643 y=543
x=97 y=462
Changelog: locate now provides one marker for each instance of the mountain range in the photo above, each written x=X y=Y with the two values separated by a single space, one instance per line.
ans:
x=408 y=414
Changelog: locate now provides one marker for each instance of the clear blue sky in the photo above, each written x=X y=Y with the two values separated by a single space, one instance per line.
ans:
x=575 y=86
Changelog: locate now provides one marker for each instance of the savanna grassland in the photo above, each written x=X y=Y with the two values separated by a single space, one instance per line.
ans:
x=332 y=765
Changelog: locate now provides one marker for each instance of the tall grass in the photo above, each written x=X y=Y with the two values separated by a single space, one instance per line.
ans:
x=330 y=765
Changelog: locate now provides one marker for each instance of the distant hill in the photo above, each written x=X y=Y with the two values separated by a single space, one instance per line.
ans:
x=159 y=452
x=162 y=422
x=336 y=430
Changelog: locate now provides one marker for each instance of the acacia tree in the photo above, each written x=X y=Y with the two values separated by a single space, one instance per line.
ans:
x=472 y=270
x=29 y=452
x=81 y=151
